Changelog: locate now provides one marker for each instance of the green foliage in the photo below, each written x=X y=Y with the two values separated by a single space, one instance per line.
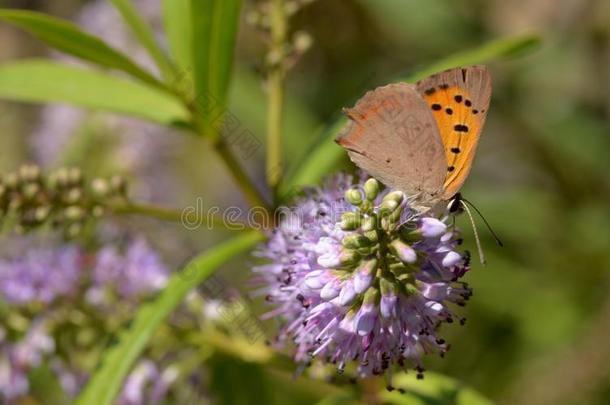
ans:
x=214 y=24
x=145 y=35
x=70 y=39
x=178 y=29
x=44 y=81
x=118 y=360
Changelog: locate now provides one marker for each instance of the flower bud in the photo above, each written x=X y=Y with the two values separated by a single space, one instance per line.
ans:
x=74 y=213
x=302 y=41
x=431 y=227
x=371 y=189
x=369 y=223
x=391 y=202
x=355 y=241
x=404 y=251
x=451 y=259
x=350 y=221
x=353 y=196
x=100 y=187
x=364 y=275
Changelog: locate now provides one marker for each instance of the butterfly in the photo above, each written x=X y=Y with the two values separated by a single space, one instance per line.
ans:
x=420 y=138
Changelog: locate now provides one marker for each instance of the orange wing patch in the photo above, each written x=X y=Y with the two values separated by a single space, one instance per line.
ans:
x=459 y=124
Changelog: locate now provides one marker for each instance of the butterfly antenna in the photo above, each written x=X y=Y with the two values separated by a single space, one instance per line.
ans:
x=476 y=233
x=498 y=241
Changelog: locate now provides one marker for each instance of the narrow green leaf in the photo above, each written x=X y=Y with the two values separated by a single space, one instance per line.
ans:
x=178 y=29
x=43 y=81
x=69 y=38
x=145 y=35
x=118 y=360
x=324 y=153
x=498 y=49
x=215 y=25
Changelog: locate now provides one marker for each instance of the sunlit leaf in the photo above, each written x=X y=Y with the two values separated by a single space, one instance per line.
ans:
x=177 y=23
x=69 y=38
x=215 y=25
x=43 y=81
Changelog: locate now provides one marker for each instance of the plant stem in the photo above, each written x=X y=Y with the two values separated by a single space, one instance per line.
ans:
x=249 y=190
x=276 y=93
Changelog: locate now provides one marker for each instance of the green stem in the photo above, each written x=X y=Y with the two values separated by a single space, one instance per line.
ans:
x=248 y=188
x=276 y=94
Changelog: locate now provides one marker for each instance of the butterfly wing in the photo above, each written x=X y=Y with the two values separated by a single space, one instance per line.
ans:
x=392 y=135
x=459 y=100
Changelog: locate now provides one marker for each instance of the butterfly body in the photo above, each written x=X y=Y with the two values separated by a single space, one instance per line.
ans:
x=420 y=138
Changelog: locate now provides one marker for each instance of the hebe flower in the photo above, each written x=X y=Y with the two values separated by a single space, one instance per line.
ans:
x=359 y=276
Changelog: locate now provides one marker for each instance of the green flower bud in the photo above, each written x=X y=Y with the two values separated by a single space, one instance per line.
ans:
x=371 y=189
x=302 y=42
x=349 y=258
x=372 y=236
x=391 y=202
x=355 y=241
x=353 y=196
x=42 y=213
x=100 y=187
x=350 y=221
x=387 y=286
x=369 y=223
x=74 y=213
x=73 y=196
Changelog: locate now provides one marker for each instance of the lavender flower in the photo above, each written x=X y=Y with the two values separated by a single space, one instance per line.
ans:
x=137 y=271
x=147 y=384
x=39 y=275
x=57 y=279
x=358 y=275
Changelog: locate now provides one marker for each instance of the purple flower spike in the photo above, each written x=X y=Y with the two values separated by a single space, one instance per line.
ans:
x=368 y=279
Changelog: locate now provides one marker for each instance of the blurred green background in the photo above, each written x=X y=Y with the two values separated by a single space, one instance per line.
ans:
x=539 y=322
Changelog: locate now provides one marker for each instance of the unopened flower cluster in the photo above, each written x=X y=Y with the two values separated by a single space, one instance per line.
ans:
x=62 y=199
x=359 y=277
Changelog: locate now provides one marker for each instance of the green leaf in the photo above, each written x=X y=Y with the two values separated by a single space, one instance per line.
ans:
x=107 y=380
x=215 y=25
x=145 y=35
x=69 y=38
x=324 y=153
x=43 y=81
x=491 y=51
x=433 y=389
x=177 y=22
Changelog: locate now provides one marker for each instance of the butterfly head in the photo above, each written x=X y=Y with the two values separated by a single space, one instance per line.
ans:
x=454 y=206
